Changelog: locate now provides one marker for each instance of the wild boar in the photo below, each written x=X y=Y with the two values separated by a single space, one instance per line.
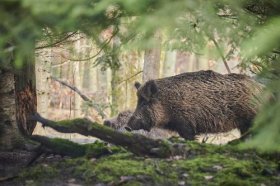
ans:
x=120 y=122
x=196 y=102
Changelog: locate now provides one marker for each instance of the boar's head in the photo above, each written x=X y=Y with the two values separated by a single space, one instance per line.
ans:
x=149 y=111
x=119 y=121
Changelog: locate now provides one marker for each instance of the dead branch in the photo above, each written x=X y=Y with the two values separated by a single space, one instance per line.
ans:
x=135 y=143
x=130 y=77
x=83 y=96
x=221 y=54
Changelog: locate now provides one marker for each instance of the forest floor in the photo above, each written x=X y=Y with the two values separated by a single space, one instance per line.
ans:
x=213 y=165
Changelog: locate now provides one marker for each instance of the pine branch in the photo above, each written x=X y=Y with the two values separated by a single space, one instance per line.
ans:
x=57 y=42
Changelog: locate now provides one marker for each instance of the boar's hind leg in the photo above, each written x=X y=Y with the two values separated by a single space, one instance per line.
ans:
x=244 y=126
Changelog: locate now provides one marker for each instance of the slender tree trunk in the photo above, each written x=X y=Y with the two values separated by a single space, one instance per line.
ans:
x=115 y=92
x=152 y=62
x=169 y=63
x=43 y=69
x=134 y=73
x=86 y=75
x=115 y=79
x=77 y=82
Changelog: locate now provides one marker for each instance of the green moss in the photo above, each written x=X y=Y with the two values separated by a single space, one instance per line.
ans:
x=208 y=165
x=76 y=122
x=72 y=149
x=67 y=147
x=99 y=148
x=226 y=170
x=40 y=172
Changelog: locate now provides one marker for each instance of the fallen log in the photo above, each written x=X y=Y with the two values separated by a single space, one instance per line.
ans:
x=135 y=143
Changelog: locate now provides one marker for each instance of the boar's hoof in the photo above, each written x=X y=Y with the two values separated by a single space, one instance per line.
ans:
x=128 y=129
x=107 y=123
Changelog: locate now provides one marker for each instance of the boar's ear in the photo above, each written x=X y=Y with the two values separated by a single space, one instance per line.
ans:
x=137 y=85
x=150 y=90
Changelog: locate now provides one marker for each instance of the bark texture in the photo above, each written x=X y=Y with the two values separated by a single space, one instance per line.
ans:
x=26 y=100
x=152 y=61
x=9 y=133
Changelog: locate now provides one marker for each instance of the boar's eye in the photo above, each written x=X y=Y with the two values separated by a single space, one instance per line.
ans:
x=142 y=101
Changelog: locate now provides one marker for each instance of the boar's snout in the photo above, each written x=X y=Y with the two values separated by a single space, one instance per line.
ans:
x=136 y=123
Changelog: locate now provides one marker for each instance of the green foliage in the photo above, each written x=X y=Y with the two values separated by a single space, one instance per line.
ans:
x=98 y=149
x=264 y=40
x=264 y=48
x=267 y=123
x=29 y=20
x=249 y=25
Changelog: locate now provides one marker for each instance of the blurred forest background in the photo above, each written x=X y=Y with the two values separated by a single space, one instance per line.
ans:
x=110 y=91
x=103 y=47
x=70 y=59
x=76 y=59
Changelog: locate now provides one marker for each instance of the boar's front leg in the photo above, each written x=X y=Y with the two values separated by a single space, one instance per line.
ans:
x=184 y=129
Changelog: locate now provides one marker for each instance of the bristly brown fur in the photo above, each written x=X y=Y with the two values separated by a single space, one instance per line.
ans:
x=119 y=121
x=197 y=102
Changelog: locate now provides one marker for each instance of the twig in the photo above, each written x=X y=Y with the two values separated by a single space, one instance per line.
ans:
x=85 y=59
x=95 y=55
x=60 y=64
x=131 y=77
x=8 y=178
x=221 y=54
x=276 y=51
x=228 y=16
x=57 y=42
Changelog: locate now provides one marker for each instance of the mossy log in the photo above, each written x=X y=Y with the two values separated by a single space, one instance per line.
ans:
x=65 y=147
x=135 y=143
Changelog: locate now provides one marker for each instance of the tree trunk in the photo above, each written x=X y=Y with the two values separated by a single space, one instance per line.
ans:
x=115 y=92
x=26 y=99
x=152 y=62
x=9 y=133
x=43 y=69
x=133 y=74
x=17 y=103
x=169 y=64
x=77 y=83
x=115 y=79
